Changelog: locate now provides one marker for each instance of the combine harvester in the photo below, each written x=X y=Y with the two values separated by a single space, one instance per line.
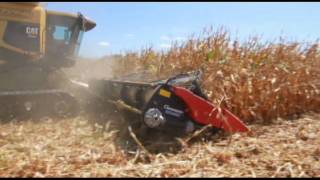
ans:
x=36 y=43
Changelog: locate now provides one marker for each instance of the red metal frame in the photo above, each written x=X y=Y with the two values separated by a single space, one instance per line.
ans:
x=204 y=112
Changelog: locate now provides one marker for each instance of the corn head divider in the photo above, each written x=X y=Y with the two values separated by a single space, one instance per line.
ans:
x=177 y=103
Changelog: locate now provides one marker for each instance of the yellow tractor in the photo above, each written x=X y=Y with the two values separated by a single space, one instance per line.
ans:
x=35 y=43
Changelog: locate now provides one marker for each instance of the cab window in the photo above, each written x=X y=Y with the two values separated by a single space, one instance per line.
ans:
x=61 y=33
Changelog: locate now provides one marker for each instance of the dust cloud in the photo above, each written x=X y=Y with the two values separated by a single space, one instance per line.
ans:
x=86 y=69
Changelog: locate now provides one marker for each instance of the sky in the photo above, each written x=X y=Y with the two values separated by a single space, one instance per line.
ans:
x=131 y=26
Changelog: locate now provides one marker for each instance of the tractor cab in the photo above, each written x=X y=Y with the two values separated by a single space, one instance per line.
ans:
x=63 y=37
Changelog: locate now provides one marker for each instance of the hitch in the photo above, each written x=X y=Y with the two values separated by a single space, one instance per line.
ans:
x=175 y=104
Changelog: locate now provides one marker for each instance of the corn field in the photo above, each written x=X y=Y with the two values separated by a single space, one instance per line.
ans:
x=258 y=81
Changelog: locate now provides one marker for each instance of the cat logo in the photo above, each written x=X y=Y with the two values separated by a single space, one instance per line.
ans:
x=32 y=32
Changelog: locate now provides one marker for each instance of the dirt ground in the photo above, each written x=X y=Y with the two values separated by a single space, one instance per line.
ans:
x=71 y=148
